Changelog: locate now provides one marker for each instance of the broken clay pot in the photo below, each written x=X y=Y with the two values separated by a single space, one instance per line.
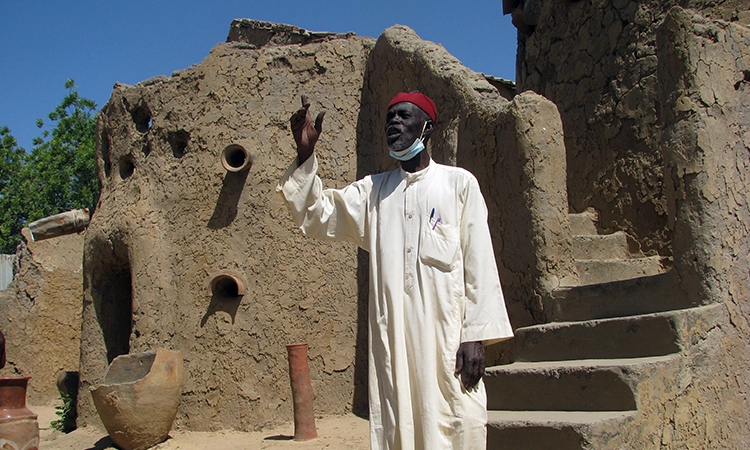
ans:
x=139 y=397
x=19 y=428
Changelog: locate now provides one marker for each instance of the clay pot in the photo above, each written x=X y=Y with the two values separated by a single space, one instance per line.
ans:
x=18 y=426
x=302 y=395
x=138 y=399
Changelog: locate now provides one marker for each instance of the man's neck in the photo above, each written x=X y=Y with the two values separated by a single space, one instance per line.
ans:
x=419 y=162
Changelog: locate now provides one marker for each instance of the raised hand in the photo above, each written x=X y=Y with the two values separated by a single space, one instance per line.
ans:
x=305 y=133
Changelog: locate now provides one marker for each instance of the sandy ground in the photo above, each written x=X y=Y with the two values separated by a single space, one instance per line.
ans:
x=334 y=433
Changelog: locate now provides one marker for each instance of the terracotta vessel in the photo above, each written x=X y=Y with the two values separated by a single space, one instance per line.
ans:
x=139 y=397
x=302 y=395
x=18 y=426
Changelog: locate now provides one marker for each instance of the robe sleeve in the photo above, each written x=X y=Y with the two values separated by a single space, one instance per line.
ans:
x=334 y=214
x=485 y=316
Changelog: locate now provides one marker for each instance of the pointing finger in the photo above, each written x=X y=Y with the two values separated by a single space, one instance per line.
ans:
x=305 y=102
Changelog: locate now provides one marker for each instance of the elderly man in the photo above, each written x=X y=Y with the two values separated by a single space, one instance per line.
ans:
x=435 y=296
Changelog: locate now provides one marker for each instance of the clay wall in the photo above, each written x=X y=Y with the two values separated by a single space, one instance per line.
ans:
x=705 y=69
x=170 y=218
x=40 y=313
x=597 y=61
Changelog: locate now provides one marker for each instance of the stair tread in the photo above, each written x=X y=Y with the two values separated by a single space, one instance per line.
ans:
x=583 y=223
x=590 y=322
x=553 y=417
x=612 y=235
x=602 y=246
x=632 y=259
x=607 y=288
x=596 y=271
x=624 y=298
x=537 y=366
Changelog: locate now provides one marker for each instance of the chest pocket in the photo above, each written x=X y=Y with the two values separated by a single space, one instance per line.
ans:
x=440 y=247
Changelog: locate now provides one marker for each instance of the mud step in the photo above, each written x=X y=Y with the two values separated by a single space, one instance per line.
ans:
x=583 y=223
x=547 y=430
x=609 y=246
x=623 y=337
x=644 y=295
x=593 y=271
x=584 y=385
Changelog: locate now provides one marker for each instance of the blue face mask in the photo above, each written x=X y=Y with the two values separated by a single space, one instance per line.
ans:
x=413 y=150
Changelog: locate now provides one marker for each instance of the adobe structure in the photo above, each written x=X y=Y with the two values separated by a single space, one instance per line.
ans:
x=616 y=186
x=185 y=254
x=40 y=313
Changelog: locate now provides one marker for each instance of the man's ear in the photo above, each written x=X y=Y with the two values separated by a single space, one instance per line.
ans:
x=429 y=127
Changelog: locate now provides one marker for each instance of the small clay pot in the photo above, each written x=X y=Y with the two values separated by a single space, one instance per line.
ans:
x=19 y=428
x=139 y=398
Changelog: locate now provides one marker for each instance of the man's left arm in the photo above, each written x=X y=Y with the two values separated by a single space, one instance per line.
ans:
x=485 y=317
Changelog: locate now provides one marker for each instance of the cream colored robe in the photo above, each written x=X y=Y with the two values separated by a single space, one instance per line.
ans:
x=433 y=285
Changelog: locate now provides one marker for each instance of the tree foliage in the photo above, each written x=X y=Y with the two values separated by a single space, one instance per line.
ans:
x=12 y=159
x=58 y=174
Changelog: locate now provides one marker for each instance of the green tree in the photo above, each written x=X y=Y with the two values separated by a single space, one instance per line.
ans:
x=61 y=171
x=12 y=161
x=58 y=175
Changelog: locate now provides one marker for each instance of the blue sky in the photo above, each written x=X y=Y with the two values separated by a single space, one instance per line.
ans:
x=98 y=43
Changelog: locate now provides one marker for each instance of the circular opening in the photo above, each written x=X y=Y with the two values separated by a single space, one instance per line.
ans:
x=226 y=286
x=126 y=167
x=235 y=158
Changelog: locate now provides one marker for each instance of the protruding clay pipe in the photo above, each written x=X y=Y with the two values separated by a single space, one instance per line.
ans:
x=226 y=285
x=302 y=395
x=236 y=158
x=64 y=223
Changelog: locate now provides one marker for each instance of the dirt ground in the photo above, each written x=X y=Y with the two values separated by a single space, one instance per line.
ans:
x=347 y=432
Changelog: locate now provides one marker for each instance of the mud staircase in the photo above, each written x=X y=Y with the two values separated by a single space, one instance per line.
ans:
x=575 y=381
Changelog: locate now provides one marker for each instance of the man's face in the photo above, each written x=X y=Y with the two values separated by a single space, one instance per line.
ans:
x=403 y=125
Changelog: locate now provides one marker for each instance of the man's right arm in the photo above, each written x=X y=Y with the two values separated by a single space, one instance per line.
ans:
x=337 y=214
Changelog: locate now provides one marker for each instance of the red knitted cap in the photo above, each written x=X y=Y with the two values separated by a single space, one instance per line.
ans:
x=424 y=102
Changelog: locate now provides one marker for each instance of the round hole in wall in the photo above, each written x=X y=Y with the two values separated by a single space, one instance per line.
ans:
x=235 y=158
x=126 y=167
x=226 y=286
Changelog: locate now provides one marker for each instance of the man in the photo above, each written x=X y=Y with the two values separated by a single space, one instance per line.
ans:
x=435 y=295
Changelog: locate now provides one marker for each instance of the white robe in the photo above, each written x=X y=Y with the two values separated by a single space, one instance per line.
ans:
x=433 y=284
